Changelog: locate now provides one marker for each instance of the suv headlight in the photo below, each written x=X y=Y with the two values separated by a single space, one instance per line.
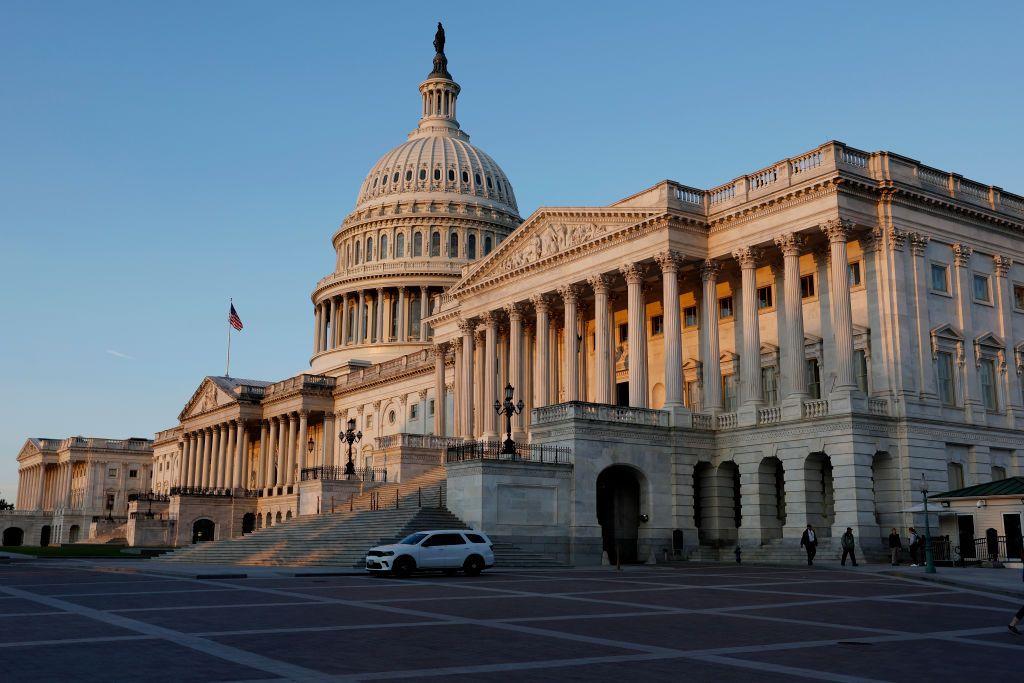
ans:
x=387 y=553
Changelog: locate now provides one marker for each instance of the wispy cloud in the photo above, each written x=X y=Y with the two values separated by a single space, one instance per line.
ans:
x=118 y=354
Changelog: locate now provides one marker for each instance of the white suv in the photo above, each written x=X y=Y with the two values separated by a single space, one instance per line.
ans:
x=447 y=550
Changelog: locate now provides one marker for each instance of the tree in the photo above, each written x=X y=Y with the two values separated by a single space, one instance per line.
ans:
x=4 y=505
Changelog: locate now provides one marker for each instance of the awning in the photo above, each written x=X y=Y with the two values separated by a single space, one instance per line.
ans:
x=934 y=509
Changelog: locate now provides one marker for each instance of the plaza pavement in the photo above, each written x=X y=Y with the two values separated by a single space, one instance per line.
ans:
x=111 y=621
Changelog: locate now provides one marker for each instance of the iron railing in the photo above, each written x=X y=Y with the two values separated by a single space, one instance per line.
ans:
x=155 y=497
x=494 y=450
x=369 y=474
x=991 y=549
x=205 y=492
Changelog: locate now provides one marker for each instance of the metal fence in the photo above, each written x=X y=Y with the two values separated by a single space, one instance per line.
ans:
x=494 y=450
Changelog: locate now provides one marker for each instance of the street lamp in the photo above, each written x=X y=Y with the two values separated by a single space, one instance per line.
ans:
x=929 y=560
x=508 y=409
x=350 y=436
x=310 y=445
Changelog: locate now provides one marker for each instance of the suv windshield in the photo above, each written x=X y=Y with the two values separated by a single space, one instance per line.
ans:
x=412 y=539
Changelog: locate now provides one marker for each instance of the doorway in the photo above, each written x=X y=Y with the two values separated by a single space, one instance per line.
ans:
x=618 y=512
x=1011 y=527
x=965 y=534
x=13 y=536
x=44 y=536
x=248 y=522
x=202 y=530
x=622 y=394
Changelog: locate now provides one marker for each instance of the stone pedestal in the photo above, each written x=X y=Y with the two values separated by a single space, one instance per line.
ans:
x=320 y=497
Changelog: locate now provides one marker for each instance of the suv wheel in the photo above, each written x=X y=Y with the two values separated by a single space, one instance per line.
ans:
x=473 y=566
x=403 y=567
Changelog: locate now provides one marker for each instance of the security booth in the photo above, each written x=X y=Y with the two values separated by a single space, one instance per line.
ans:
x=984 y=521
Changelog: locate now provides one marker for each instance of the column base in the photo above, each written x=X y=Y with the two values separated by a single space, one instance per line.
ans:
x=679 y=416
x=793 y=406
x=746 y=416
x=845 y=401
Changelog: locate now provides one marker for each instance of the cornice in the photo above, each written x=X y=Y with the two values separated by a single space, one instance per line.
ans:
x=772 y=204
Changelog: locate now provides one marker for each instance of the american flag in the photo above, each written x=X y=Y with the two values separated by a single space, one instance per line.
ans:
x=233 y=318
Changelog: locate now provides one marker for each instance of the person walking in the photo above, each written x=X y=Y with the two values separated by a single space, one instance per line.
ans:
x=1017 y=618
x=895 y=546
x=915 y=545
x=809 y=542
x=848 y=546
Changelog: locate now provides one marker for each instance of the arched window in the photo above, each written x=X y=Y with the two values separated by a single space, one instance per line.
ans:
x=394 y=178
x=488 y=182
x=435 y=244
x=414 y=316
x=423 y=174
x=408 y=175
x=437 y=174
x=383 y=246
x=471 y=246
x=417 y=244
x=399 y=245
x=369 y=248
x=465 y=177
x=476 y=178
x=451 y=175
x=453 y=245
x=487 y=245
x=357 y=252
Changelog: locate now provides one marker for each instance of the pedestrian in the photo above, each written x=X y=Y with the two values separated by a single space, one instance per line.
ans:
x=914 y=541
x=848 y=545
x=1017 y=618
x=895 y=546
x=809 y=542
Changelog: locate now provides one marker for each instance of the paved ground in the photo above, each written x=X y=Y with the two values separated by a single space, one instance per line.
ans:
x=64 y=620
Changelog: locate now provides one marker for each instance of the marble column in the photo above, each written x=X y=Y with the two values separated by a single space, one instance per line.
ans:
x=458 y=392
x=236 y=430
x=515 y=364
x=379 y=335
x=570 y=349
x=479 y=386
x=316 y=328
x=490 y=368
x=974 y=406
x=637 y=324
x=1003 y=293
x=328 y=439
x=264 y=456
x=343 y=341
x=361 y=318
x=542 y=376
x=424 y=312
x=709 y=350
x=750 y=362
x=403 y=318
x=439 y=390
x=602 y=352
x=277 y=430
x=302 y=446
x=838 y=231
x=669 y=263
x=291 y=446
x=467 y=327
x=791 y=337
x=332 y=338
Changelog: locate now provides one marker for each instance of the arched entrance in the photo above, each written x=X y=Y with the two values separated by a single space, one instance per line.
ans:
x=13 y=536
x=44 y=536
x=248 y=522
x=202 y=530
x=618 y=512
x=73 y=533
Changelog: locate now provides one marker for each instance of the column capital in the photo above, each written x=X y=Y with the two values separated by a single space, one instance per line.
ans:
x=570 y=293
x=668 y=261
x=709 y=270
x=422 y=393
x=514 y=311
x=747 y=257
x=633 y=273
x=599 y=283
x=467 y=325
x=489 y=318
x=837 y=229
x=1002 y=265
x=918 y=242
x=962 y=254
x=790 y=244
x=541 y=302
x=303 y=413
x=441 y=349
x=456 y=344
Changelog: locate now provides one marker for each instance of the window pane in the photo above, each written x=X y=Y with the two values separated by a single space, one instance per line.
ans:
x=657 y=325
x=854 y=274
x=1018 y=296
x=988 y=384
x=764 y=297
x=955 y=475
x=998 y=473
x=725 y=307
x=860 y=364
x=981 y=288
x=807 y=286
x=813 y=379
x=945 y=376
x=769 y=386
x=939 y=283
x=690 y=316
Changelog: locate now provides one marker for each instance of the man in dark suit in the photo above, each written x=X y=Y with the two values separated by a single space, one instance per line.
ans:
x=809 y=542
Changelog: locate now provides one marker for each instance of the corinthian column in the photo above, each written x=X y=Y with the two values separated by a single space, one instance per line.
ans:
x=300 y=447
x=570 y=350
x=439 y=390
x=669 y=262
x=750 y=362
x=424 y=312
x=333 y=337
x=343 y=337
x=403 y=317
x=602 y=353
x=791 y=337
x=458 y=391
x=709 y=353
x=467 y=327
x=637 y=318
x=838 y=231
x=289 y=472
x=378 y=334
x=490 y=367
x=515 y=362
x=238 y=478
x=542 y=368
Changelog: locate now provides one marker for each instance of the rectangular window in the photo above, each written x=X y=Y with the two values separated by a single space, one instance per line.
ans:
x=998 y=473
x=690 y=316
x=623 y=332
x=807 y=286
x=729 y=392
x=431 y=407
x=657 y=325
x=414 y=411
x=112 y=472
x=692 y=396
x=764 y=297
x=940 y=278
x=955 y=476
x=369 y=420
x=1018 y=297
x=854 y=272
x=947 y=387
x=982 y=290
x=133 y=474
x=860 y=367
x=988 y=384
x=813 y=379
x=725 y=307
x=769 y=385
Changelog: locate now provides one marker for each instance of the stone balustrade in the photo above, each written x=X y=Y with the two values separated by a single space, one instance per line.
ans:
x=428 y=441
x=580 y=410
x=769 y=415
x=817 y=408
x=726 y=420
x=878 y=406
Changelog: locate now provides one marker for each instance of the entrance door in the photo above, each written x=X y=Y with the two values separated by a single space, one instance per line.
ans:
x=44 y=536
x=618 y=512
x=1011 y=527
x=248 y=522
x=202 y=530
x=965 y=530
x=13 y=536
x=622 y=394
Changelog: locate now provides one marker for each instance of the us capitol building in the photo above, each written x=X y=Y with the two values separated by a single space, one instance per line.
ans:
x=698 y=368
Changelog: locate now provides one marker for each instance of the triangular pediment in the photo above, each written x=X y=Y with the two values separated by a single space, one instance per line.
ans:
x=990 y=340
x=207 y=397
x=28 y=450
x=547 y=235
x=947 y=332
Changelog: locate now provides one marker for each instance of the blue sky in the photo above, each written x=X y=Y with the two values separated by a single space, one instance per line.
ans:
x=158 y=158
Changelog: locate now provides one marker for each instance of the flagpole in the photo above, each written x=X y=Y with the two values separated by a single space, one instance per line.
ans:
x=227 y=370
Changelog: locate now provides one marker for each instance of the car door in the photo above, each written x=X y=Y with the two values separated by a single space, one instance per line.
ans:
x=432 y=552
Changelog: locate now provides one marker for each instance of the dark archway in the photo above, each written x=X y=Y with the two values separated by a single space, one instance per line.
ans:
x=73 y=533
x=248 y=522
x=618 y=512
x=703 y=488
x=44 y=536
x=202 y=530
x=13 y=536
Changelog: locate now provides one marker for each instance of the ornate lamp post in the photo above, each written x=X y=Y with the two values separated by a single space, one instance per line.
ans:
x=508 y=409
x=350 y=436
x=310 y=445
x=929 y=560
